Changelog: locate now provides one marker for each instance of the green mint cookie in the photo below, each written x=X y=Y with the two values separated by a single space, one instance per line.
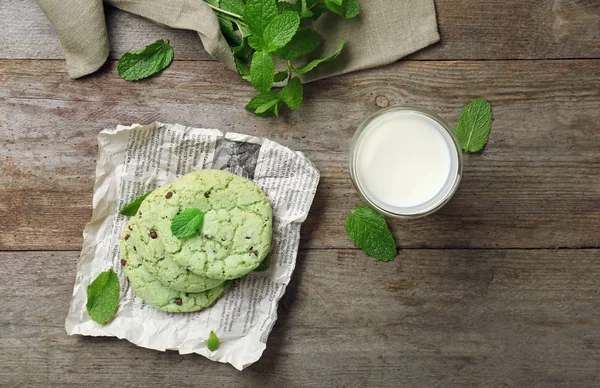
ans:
x=157 y=294
x=235 y=235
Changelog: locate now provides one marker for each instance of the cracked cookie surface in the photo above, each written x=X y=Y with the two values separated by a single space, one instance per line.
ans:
x=235 y=235
x=156 y=293
x=166 y=270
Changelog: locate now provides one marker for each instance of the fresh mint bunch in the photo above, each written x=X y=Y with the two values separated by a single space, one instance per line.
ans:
x=261 y=32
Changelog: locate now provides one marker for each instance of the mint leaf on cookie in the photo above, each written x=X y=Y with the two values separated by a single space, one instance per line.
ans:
x=474 y=125
x=131 y=209
x=187 y=223
x=152 y=59
x=103 y=297
x=369 y=231
x=213 y=342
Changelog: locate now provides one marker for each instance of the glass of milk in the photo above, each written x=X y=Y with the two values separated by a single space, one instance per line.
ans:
x=405 y=162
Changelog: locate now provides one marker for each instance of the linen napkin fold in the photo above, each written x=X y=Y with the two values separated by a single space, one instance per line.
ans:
x=383 y=32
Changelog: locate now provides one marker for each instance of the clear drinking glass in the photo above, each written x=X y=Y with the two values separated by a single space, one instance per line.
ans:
x=449 y=187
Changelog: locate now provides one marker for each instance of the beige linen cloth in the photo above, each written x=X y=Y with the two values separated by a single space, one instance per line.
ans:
x=384 y=31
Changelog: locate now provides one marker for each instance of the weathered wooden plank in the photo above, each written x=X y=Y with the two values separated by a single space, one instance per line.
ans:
x=26 y=33
x=449 y=318
x=488 y=29
x=536 y=185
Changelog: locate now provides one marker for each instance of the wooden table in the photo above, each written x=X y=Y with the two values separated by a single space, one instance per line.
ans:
x=499 y=288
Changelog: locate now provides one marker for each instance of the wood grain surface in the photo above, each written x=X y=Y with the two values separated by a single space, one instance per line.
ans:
x=498 y=289
x=464 y=318
x=483 y=29
x=537 y=185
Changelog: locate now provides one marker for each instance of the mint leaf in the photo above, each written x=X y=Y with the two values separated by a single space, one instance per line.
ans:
x=135 y=65
x=241 y=66
x=259 y=44
x=233 y=6
x=213 y=342
x=291 y=93
x=283 y=6
x=187 y=223
x=103 y=297
x=318 y=10
x=266 y=107
x=474 y=125
x=228 y=31
x=314 y=63
x=369 y=231
x=244 y=29
x=132 y=208
x=303 y=9
x=260 y=100
x=304 y=42
x=281 y=30
x=346 y=8
x=258 y=14
x=262 y=71
x=241 y=56
x=280 y=76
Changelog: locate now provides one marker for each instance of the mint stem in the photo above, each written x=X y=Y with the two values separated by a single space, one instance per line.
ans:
x=290 y=71
x=226 y=12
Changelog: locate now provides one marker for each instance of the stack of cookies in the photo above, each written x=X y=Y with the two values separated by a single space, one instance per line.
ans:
x=190 y=274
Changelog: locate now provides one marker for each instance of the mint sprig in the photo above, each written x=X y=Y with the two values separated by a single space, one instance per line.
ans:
x=132 y=208
x=152 y=59
x=369 y=231
x=187 y=223
x=103 y=297
x=268 y=28
x=474 y=125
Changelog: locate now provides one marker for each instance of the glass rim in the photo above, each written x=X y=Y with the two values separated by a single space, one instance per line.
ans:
x=352 y=166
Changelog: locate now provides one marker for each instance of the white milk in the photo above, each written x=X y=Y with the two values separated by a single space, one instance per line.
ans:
x=405 y=162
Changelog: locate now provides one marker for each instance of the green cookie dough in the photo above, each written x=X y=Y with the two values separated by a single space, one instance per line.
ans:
x=169 y=272
x=156 y=293
x=236 y=233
